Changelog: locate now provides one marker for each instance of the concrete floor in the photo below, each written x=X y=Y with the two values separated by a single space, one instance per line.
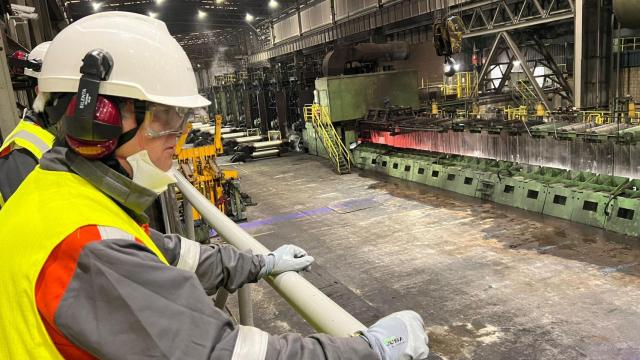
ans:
x=491 y=282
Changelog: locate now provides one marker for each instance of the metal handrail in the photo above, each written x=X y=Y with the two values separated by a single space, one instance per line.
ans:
x=319 y=117
x=314 y=306
x=341 y=145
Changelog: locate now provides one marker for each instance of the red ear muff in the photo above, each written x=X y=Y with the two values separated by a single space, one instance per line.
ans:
x=91 y=122
x=107 y=118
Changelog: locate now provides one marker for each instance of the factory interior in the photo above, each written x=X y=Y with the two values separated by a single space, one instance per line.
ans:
x=469 y=160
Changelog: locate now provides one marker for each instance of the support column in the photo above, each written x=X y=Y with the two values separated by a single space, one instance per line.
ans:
x=577 y=51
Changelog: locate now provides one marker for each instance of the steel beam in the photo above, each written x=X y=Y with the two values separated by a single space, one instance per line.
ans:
x=525 y=68
x=520 y=25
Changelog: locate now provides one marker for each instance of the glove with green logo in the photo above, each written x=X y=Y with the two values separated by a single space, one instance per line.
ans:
x=399 y=336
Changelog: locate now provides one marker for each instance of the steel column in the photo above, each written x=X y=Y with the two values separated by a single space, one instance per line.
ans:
x=577 y=51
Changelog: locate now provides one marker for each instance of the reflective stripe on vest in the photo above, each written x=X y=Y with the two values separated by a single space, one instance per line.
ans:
x=48 y=206
x=31 y=137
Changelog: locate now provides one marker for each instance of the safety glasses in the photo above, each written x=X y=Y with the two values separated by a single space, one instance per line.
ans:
x=163 y=120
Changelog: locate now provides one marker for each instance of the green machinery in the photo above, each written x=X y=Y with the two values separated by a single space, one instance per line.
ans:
x=603 y=201
x=349 y=98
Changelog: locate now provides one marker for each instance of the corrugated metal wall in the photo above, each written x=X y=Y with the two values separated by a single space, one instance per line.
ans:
x=316 y=16
x=349 y=19
x=286 y=28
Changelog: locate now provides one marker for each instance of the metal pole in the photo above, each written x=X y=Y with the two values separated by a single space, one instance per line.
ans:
x=165 y=213
x=221 y=298
x=314 y=306
x=188 y=219
x=245 y=305
x=578 y=50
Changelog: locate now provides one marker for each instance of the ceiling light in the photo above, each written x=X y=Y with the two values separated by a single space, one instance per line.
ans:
x=249 y=17
x=201 y=14
x=152 y=14
x=96 y=6
x=219 y=2
x=159 y=2
x=273 y=4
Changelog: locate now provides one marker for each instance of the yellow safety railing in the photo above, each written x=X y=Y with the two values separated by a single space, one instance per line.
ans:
x=525 y=91
x=519 y=113
x=461 y=85
x=596 y=117
x=319 y=117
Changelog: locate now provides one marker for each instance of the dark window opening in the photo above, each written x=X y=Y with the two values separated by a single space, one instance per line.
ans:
x=508 y=189
x=532 y=194
x=373 y=161
x=420 y=171
x=435 y=173
x=559 y=199
x=468 y=181
x=384 y=163
x=451 y=177
x=626 y=213
x=407 y=168
x=590 y=206
x=395 y=165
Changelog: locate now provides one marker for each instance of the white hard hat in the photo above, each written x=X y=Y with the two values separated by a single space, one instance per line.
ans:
x=148 y=63
x=37 y=54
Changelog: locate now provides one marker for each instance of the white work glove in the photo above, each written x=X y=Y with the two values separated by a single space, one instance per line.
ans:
x=399 y=336
x=285 y=258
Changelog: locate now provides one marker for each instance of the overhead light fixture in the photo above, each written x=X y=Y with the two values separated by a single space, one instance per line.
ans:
x=159 y=2
x=249 y=18
x=219 y=2
x=201 y=14
x=96 y=6
x=152 y=14
x=273 y=4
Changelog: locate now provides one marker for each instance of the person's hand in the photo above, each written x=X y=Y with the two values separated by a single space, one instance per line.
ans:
x=399 y=336
x=286 y=258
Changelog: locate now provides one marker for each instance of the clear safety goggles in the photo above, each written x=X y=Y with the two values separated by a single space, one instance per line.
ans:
x=163 y=120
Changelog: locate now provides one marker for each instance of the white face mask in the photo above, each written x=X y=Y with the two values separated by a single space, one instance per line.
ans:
x=146 y=174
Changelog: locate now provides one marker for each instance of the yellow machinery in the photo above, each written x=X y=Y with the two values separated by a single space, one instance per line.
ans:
x=220 y=186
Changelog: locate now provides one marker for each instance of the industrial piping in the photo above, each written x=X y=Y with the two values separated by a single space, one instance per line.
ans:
x=314 y=306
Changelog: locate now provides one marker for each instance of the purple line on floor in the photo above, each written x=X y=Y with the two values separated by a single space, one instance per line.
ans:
x=279 y=218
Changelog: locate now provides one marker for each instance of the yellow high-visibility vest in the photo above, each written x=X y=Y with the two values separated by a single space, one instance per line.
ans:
x=31 y=137
x=48 y=206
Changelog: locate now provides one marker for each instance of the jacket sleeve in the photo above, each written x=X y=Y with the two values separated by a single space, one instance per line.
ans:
x=215 y=266
x=14 y=168
x=123 y=303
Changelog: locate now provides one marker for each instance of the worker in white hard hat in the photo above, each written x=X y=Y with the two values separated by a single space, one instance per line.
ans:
x=22 y=149
x=83 y=277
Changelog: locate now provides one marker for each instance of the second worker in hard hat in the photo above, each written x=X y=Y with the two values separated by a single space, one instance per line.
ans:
x=22 y=149
x=82 y=275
